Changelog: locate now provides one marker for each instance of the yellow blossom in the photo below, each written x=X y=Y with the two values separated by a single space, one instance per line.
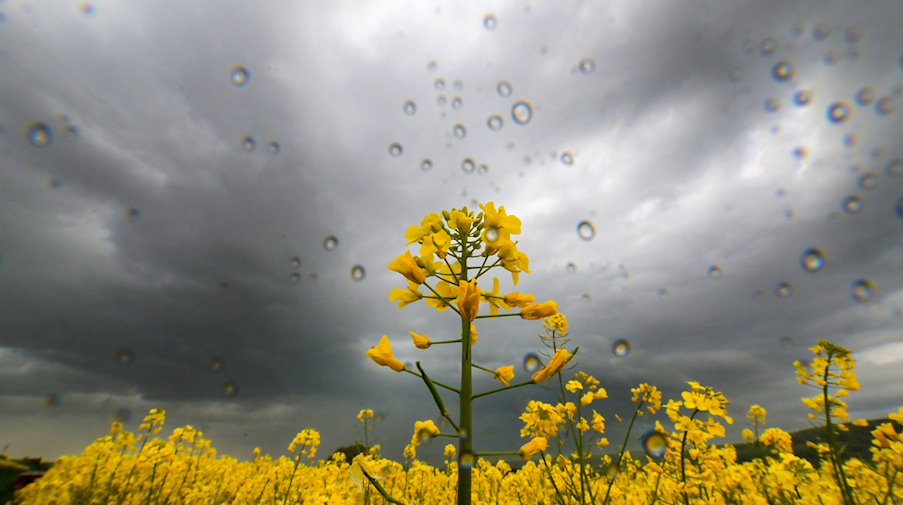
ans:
x=382 y=355
x=519 y=300
x=406 y=266
x=468 y=299
x=505 y=375
x=407 y=296
x=420 y=341
x=424 y=430
x=534 y=447
x=540 y=310
x=559 y=360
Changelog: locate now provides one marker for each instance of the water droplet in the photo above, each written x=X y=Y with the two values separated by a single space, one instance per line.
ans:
x=800 y=152
x=439 y=84
x=567 y=158
x=821 y=31
x=457 y=103
x=330 y=243
x=426 y=165
x=783 y=289
x=239 y=76
x=772 y=105
x=655 y=444
x=587 y=66
x=458 y=85
x=866 y=96
x=122 y=415
x=839 y=112
x=863 y=290
x=852 y=204
x=490 y=21
x=230 y=388
x=586 y=230
x=124 y=357
x=504 y=88
x=853 y=35
x=532 y=363
x=468 y=166
x=715 y=271
x=786 y=341
x=495 y=122
x=768 y=46
x=274 y=147
x=53 y=400
x=441 y=101
x=248 y=144
x=132 y=213
x=295 y=262
x=492 y=234
x=803 y=97
x=885 y=105
x=465 y=462
x=522 y=112
x=216 y=363
x=39 y=134
x=431 y=66
x=409 y=107
x=459 y=131
x=759 y=294
x=663 y=292
x=571 y=268
x=813 y=260
x=294 y=277
x=54 y=183
x=586 y=298
x=782 y=71
x=395 y=149
x=358 y=273
x=868 y=181
x=894 y=168
x=483 y=169
x=87 y=8
x=620 y=348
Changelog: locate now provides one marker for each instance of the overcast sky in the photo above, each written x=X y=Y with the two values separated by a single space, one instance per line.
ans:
x=151 y=256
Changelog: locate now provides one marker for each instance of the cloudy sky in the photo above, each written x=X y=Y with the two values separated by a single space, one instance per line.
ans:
x=170 y=174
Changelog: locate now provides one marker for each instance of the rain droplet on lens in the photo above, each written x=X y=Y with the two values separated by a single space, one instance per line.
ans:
x=587 y=66
x=782 y=71
x=813 y=260
x=465 y=461
x=620 y=348
x=441 y=101
x=803 y=97
x=490 y=21
x=457 y=103
x=586 y=230
x=715 y=271
x=783 y=289
x=248 y=144
x=38 y=134
x=839 y=112
x=821 y=31
x=655 y=444
x=532 y=363
x=330 y=243
x=458 y=85
x=495 y=122
x=768 y=46
x=409 y=107
x=800 y=152
x=852 y=204
x=230 y=388
x=885 y=105
x=426 y=165
x=295 y=262
x=431 y=66
x=483 y=169
x=772 y=105
x=468 y=165
x=358 y=273
x=216 y=363
x=504 y=88
x=863 y=290
x=894 y=168
x=571 y=268
x=492 y=234
x=853 y=35
x=294 y=277
x=124 y=357
x=395 y=149
x=53 y=400
x=239 y=75
x=439 y=84
x=274 y=147
x=459 y=131
x=522 y=112
x=866 y=96
x=567 y=158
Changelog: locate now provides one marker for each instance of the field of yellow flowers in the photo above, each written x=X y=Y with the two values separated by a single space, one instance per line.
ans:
x=683 y=463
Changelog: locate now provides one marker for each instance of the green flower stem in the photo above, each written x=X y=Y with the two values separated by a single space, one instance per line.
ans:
x=436 y=397
x=499 y=390
x=683 y=460
x=443 y=299
x=623 y=448
x=449 y=435
x=379 y=487
x=495 y=454
x=438 y=342
x=483 y=368
x=839 y=473
x=491 y=316
x=457 y=279
x=441 y=385
x=465 y=446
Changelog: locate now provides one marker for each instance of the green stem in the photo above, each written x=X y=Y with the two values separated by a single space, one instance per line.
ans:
x=490 y=316
x=499 y=390
x=483 y=368
x=466 y=403
x=439 y=342
x=380 y=488
x=438 y=399
x=441 y=385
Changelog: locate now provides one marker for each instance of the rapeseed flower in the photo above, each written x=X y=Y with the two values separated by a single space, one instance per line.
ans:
x=420 y=341
x=533 y=447
x=468 y=299
x=505 y=374
x=540 y=310
x=382 y=355
x=406 y=266
x=559 y=360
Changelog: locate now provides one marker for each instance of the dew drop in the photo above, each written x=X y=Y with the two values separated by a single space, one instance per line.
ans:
x=863 y=290
x=230 y=388
x=457 y=103
x=295 y=262
x=803 y=97
x=358 y=273
x=248 y=144
x=39 y=134
x=571 y=268
x=492 y=234
x=715 y=271
x=124 y=357
x=587 y=66
x=782 y=71
x=783 y=289
x=866 y=96
x=532 y=363
x=768 y=46
x=504 y=88
x=459 y=131
x=490 y=21
x=216 y=363
x=522 y=112
x=294 y=277
x=620 y=348
x=409 y=107
x=885 y=105
x=655 y=444
x=395 y=150
x=239 y=76
x=586 y=230
x=772 y=105
x=495 y=122
x=426 y=165
x=894 y=168
x=439 y=84
x=839 y=112
x=567 y=158
x=468 y=165
x=274 y=147
x=852 y=204
x=330 y=242
x=813 y=260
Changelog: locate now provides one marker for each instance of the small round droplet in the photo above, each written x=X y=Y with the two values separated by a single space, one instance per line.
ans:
x=772 y=105
x=759 y=294
x=124 y=357
x=504 y=88
x=490 y=21
x=230 y=389
x=803 y=97
x=457 y=102
x=495 y=122
x=483 y=169
x=459 y=131
x=586 y=66
x=441 y=101
x=439 y=84
x=586 y=230
x=426 y=165
x=620 y=348
x=863 y=290
x=768 y=46
x=294 y=277
x=567 y=158
x=465 y=462
x=330 y=243
x=853 y=35
x=522 y=112
x=468 y=166
x=831 y=58
x=715 y=271
x=571 y=268
x=655 y=444
x=586 y=298
x=782 y=71
x=800 y=152
x=866 y=96
x=821 y=31
x=53 y=400
x=532 y=363
x=885 y=105
x=458 y=85
x=295 y=262
x=239 y=76
x=395 y=150
x=839 y=112
x=431 y=66
x=248 y=144
x=358 y=273
x=39 y=134
x=894 y=168
x=813 y=260
x=409 y=107
x=783 y=289
x=274 y=147
x=492 y=234
x=132 y=213
x=216 y=363
x=852 y=204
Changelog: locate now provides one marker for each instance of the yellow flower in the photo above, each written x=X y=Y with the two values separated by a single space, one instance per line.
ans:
x=557 y=323
x=460 y=222
x=406 y=296
x=365 y=415
x=540 y=310
x=469 y=299
x=382 y=355
x=474 y=336
x=424 y=430
x=505 y=375
x=420 y=341
x=445 y=290
x=513 y=260
x=435 y=243
x=598 y=422
x=559 y=360
x=534 y=447
x=494 y=300
x=574 y=386
x=757 y=414
x=519 y=300
x=498 y=226
x=406 y=266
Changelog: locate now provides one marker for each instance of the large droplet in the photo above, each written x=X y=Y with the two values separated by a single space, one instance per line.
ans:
x=839 y=112
x=504 y=88
x=532 y=363
x=490 y=21
x=395 y=150
x=813 y=260
x=567 y=158
x=803 y=97
x=571 y=268
x=586 y=66
x=439 y=84
x=586 y=230
x=330 y=243
x=782 y=71
x=358 y=273
x=274 y=147
x=655 y=444
x=409 y=107
x=866 y=96
x=39 y=134
x=239 y=75
x=620 y=348
x=248 y=144
x=863 y=290
x=522 y=112
x=295 y=262
x=457 y=102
